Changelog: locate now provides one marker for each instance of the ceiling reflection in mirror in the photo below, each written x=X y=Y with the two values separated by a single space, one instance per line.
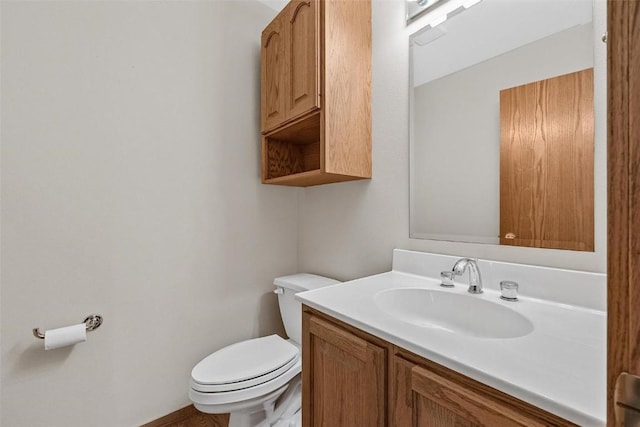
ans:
x=501 y=124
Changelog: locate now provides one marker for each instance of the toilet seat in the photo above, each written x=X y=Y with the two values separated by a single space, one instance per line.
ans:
x=245 y=370
x=244 y=364
x=241 y=385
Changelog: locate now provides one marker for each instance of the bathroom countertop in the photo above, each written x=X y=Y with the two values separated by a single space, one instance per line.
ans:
x=560 y=366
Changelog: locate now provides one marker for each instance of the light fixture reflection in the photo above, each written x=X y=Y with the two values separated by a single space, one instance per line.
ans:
x=436 y=14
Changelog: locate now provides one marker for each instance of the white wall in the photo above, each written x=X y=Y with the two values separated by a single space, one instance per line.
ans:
x=130 y=188
x=348 y=230
x=457 y=118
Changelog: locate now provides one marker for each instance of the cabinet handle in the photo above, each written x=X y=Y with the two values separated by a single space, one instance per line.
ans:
x=627 y=400
x=294 y=15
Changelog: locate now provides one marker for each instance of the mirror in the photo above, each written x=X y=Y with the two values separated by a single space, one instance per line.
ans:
x=417 y=8
x=501 y=125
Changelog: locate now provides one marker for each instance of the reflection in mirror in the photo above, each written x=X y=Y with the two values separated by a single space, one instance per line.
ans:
x=416 y=8
x=502 y=123
x=438 y=10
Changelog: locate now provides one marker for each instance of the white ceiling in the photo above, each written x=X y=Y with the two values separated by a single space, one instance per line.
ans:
x=490 y=28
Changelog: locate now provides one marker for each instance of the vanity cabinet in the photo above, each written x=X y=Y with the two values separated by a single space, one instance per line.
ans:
x=345 y=384
x=316 y=93
x=344 y=377
x=426 y=394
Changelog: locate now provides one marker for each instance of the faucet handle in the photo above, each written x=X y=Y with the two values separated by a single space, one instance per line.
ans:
x=447 y=278
x=509 y=290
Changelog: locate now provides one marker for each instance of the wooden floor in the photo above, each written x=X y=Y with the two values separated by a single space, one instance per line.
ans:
x=190 y=417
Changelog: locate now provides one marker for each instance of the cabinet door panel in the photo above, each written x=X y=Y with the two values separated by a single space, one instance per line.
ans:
x=439 y=402
x=345 y=378
x=430 y=414
x=272 y=75
x=401 y=394
x=422 y=398
x=302 y=53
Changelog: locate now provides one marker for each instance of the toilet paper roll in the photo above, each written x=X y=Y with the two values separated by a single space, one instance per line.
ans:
x=62 y=337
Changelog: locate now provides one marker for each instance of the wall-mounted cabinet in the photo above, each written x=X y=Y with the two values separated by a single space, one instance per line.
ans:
x=290 y=71
x=316 y=93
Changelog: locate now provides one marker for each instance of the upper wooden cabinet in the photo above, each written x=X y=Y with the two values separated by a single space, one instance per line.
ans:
x=290 y=72
x=316 y=93
x=302 y=85
x=273 y=74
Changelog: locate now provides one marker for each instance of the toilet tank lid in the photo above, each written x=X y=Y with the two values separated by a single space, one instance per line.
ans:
x=303 y=281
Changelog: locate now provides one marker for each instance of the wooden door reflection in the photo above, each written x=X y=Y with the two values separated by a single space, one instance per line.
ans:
x=546 y=163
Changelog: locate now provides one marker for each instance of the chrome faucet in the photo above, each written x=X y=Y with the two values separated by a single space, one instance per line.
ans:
x=475 y=280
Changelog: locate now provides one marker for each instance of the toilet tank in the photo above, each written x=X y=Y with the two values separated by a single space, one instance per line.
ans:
x=290 y=309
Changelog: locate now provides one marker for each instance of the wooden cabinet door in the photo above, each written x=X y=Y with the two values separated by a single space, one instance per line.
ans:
x=623 y=258
x=546 y=163
x=343 y=377
x=423 y=398
x=303 y=70
x=272 y=75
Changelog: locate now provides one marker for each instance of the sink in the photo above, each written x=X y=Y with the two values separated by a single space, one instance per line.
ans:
x=464 y=314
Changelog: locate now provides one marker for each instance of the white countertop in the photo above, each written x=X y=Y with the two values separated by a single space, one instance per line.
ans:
x=559 y=367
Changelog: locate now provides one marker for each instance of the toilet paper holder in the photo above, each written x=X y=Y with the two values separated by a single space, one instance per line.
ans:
x=91 y=322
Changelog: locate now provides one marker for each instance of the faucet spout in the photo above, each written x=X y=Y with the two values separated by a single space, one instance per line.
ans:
x=475 y=279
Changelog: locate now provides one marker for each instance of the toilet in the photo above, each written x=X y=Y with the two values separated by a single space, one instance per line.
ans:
x=258 y=381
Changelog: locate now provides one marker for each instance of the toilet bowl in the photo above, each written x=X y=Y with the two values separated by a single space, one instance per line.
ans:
x=258 y=381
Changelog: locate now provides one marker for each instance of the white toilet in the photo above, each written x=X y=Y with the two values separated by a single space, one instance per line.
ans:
x=258 y=380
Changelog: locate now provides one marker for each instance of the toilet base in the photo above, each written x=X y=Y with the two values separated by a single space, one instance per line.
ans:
x=280 y=408
x=294 y=421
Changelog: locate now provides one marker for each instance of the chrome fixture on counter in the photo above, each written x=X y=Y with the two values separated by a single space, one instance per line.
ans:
x=509 y=290
x=475 y=280
x=447 y=279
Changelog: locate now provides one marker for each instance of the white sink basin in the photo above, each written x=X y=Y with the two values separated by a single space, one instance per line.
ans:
x=464 y=314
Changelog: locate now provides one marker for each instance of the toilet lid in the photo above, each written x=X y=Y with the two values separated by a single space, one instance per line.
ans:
x=244 y=361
